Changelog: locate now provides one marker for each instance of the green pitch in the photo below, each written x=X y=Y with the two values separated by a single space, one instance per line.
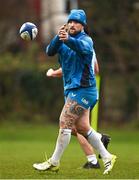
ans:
x=21 y=146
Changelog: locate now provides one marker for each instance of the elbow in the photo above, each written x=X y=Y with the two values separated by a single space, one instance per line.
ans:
x=49 y=52
x=96 y=72
x=96 y=68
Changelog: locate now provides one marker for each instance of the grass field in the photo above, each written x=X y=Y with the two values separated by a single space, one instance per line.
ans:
x=21 y=146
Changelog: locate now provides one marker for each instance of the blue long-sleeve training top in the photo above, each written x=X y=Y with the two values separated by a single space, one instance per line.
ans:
x=75 y=58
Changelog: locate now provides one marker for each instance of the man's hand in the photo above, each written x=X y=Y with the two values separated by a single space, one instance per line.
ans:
x=62 y=33
x=54 y=73
x=50 y=72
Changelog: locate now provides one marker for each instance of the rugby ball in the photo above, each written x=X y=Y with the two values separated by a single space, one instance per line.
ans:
x=28 y=31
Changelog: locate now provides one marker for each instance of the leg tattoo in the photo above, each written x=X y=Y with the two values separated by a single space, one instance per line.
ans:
x=70 y=114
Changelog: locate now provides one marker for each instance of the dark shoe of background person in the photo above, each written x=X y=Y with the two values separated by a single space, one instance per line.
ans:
x=105 y=140
x=90 y=165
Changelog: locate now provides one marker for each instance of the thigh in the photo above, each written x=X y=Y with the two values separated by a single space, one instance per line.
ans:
x=83 y=124
x=71 y=113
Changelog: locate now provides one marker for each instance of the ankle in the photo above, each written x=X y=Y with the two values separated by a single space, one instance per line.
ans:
x=54 y=163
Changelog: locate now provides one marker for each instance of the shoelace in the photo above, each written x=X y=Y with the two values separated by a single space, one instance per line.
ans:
x=46 y=159
x=45 y=156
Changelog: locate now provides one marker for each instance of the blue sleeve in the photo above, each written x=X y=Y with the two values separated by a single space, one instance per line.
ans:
x=54 y=46
x=81 y=46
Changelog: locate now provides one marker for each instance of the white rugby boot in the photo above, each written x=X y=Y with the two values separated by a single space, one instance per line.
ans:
x=109 y=163
x=47 y=165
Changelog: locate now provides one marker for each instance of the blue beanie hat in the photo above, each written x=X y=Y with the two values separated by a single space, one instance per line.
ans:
x=77 y=15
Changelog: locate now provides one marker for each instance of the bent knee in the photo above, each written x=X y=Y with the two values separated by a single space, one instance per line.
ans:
x=82 y=130
x=66 y=124
x=74 y=131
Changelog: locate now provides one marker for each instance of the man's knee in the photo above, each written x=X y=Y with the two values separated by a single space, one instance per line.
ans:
x=82 y=130
x=74 y=131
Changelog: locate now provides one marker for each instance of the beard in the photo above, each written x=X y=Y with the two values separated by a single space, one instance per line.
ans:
x=73 y=32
